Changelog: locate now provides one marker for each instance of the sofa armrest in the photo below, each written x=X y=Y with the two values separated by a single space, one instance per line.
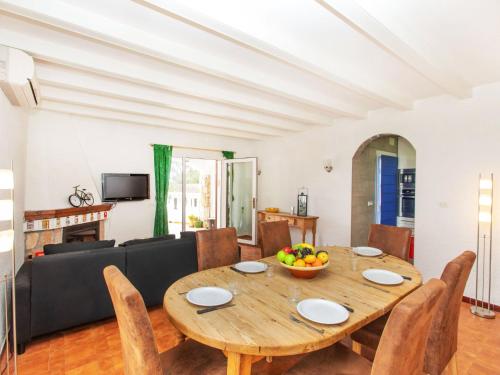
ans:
x=23 y=303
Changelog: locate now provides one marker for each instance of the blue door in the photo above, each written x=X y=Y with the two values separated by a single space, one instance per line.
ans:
x=388 y=179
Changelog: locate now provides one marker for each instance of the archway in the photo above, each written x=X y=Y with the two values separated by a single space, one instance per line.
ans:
x=383 y=185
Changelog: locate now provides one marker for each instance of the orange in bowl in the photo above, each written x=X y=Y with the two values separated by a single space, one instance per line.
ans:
x=307 y=272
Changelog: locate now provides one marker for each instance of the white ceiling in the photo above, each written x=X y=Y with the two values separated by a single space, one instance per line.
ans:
x=251 y=68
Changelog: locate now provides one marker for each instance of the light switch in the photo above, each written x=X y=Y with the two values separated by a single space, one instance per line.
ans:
x=370 y=203
x=443 y=204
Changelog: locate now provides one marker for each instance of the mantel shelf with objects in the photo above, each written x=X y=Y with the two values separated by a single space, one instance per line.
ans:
x=47 y=226
x=304 y=223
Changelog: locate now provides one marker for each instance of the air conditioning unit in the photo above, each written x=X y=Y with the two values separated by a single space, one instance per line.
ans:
x=17 y=77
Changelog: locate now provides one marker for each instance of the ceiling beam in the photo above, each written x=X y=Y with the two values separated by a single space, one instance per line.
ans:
x=360 y=20
x=60 y=95
x=142 y=120
x=73 y=79
x=144 y=75
x=76 y=20
x=202 y=22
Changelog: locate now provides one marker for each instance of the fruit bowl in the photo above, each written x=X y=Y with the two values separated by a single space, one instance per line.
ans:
x=273 y=210
x=304 y=272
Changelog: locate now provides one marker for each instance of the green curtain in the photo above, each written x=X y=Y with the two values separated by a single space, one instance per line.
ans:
x=163 y=159
x=228 y=154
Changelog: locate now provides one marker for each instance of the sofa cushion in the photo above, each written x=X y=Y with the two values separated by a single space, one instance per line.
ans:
x=153 y=267
x=68 y=289
x=189 y=234
x=76 y=246
x=141 y=241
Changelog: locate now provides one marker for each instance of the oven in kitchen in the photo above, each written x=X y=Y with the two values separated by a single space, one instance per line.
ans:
x=407 y=203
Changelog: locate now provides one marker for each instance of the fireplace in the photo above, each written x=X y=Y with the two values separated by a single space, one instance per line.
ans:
x=87 y=232
x=80 y=224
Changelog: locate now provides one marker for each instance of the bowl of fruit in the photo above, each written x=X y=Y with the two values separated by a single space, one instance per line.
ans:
x=302 y=260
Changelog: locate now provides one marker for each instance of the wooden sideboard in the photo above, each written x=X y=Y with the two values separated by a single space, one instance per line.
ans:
x=304 y=223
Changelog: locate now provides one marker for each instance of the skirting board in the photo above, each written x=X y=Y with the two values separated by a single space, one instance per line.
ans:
x=472 y=301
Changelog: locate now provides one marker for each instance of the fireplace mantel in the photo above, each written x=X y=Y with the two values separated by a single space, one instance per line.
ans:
x=46 y=227
x=63 y=212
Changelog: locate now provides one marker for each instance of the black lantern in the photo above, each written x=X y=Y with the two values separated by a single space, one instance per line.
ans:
x=302 y=202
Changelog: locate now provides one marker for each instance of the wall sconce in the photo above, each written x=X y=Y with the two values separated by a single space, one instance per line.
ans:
x=484 y=241
x=328 y=165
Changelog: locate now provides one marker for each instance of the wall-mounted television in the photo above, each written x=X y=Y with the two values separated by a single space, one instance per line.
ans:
x=124 y=187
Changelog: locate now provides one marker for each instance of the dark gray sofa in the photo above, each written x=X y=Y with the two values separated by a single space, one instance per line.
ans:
x=60 y=291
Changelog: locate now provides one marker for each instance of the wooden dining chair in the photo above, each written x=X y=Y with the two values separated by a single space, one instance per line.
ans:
x=391 y=240
x=217 y=248
x=402 y=346
x=139 y=350
x=442 y=344
x=274 y=235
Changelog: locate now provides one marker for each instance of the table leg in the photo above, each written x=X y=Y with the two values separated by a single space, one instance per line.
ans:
x=239 y=364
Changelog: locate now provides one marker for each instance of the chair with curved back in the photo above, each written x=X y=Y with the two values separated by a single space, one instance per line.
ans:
x=217 y=248
x=391 y=240
x=442 y=344
x=140 y=353
x=402 y=346
x=274 y=235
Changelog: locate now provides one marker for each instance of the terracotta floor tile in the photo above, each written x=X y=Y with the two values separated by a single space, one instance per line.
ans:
x=96 y=348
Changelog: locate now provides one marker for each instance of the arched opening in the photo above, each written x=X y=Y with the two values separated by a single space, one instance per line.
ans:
x=383 y=185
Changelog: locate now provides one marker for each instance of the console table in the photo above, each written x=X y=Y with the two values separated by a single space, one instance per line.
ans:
x=304 y=223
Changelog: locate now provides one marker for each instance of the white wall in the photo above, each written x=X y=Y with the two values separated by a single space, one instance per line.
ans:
x=406 y=154
x=66 y=150
x=13 y=131
x=454 y=140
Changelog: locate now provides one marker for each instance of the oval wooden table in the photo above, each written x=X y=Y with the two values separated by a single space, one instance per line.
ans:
x=259 y=324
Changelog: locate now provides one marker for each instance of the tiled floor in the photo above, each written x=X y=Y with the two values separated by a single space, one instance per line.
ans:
x=95 y=349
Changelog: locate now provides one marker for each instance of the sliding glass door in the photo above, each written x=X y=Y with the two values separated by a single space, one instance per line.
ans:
x=192 y=193
x=205 y=191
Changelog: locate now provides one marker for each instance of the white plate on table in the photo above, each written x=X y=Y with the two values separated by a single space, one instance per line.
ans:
x=209 y=296
x=251 y=267
x=322 y=311
x=383 y=277
x=367 y=251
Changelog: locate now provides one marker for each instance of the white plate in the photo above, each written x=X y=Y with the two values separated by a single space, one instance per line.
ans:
x=367 y=251
x=251 y=267
x=209 y=296
x=322 y=311
x=383 y=277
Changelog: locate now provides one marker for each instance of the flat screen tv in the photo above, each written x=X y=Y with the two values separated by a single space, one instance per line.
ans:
x=124 y=187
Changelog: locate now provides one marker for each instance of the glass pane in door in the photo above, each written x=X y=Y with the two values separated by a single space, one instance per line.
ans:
x=240 y=195
x=200 y=193
x=174 y=198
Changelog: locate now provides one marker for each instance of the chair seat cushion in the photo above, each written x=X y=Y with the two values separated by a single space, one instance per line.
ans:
x=336 y=359
x=193 y=358
x=370 y=334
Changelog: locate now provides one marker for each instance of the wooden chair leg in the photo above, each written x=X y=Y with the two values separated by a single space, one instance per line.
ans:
x=269 y=359
x=356 y=347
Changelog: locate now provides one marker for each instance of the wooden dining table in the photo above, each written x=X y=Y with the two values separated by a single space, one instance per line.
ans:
x=260 y=323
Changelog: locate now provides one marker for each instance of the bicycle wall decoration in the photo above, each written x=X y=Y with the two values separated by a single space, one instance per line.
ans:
x=80 y=197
